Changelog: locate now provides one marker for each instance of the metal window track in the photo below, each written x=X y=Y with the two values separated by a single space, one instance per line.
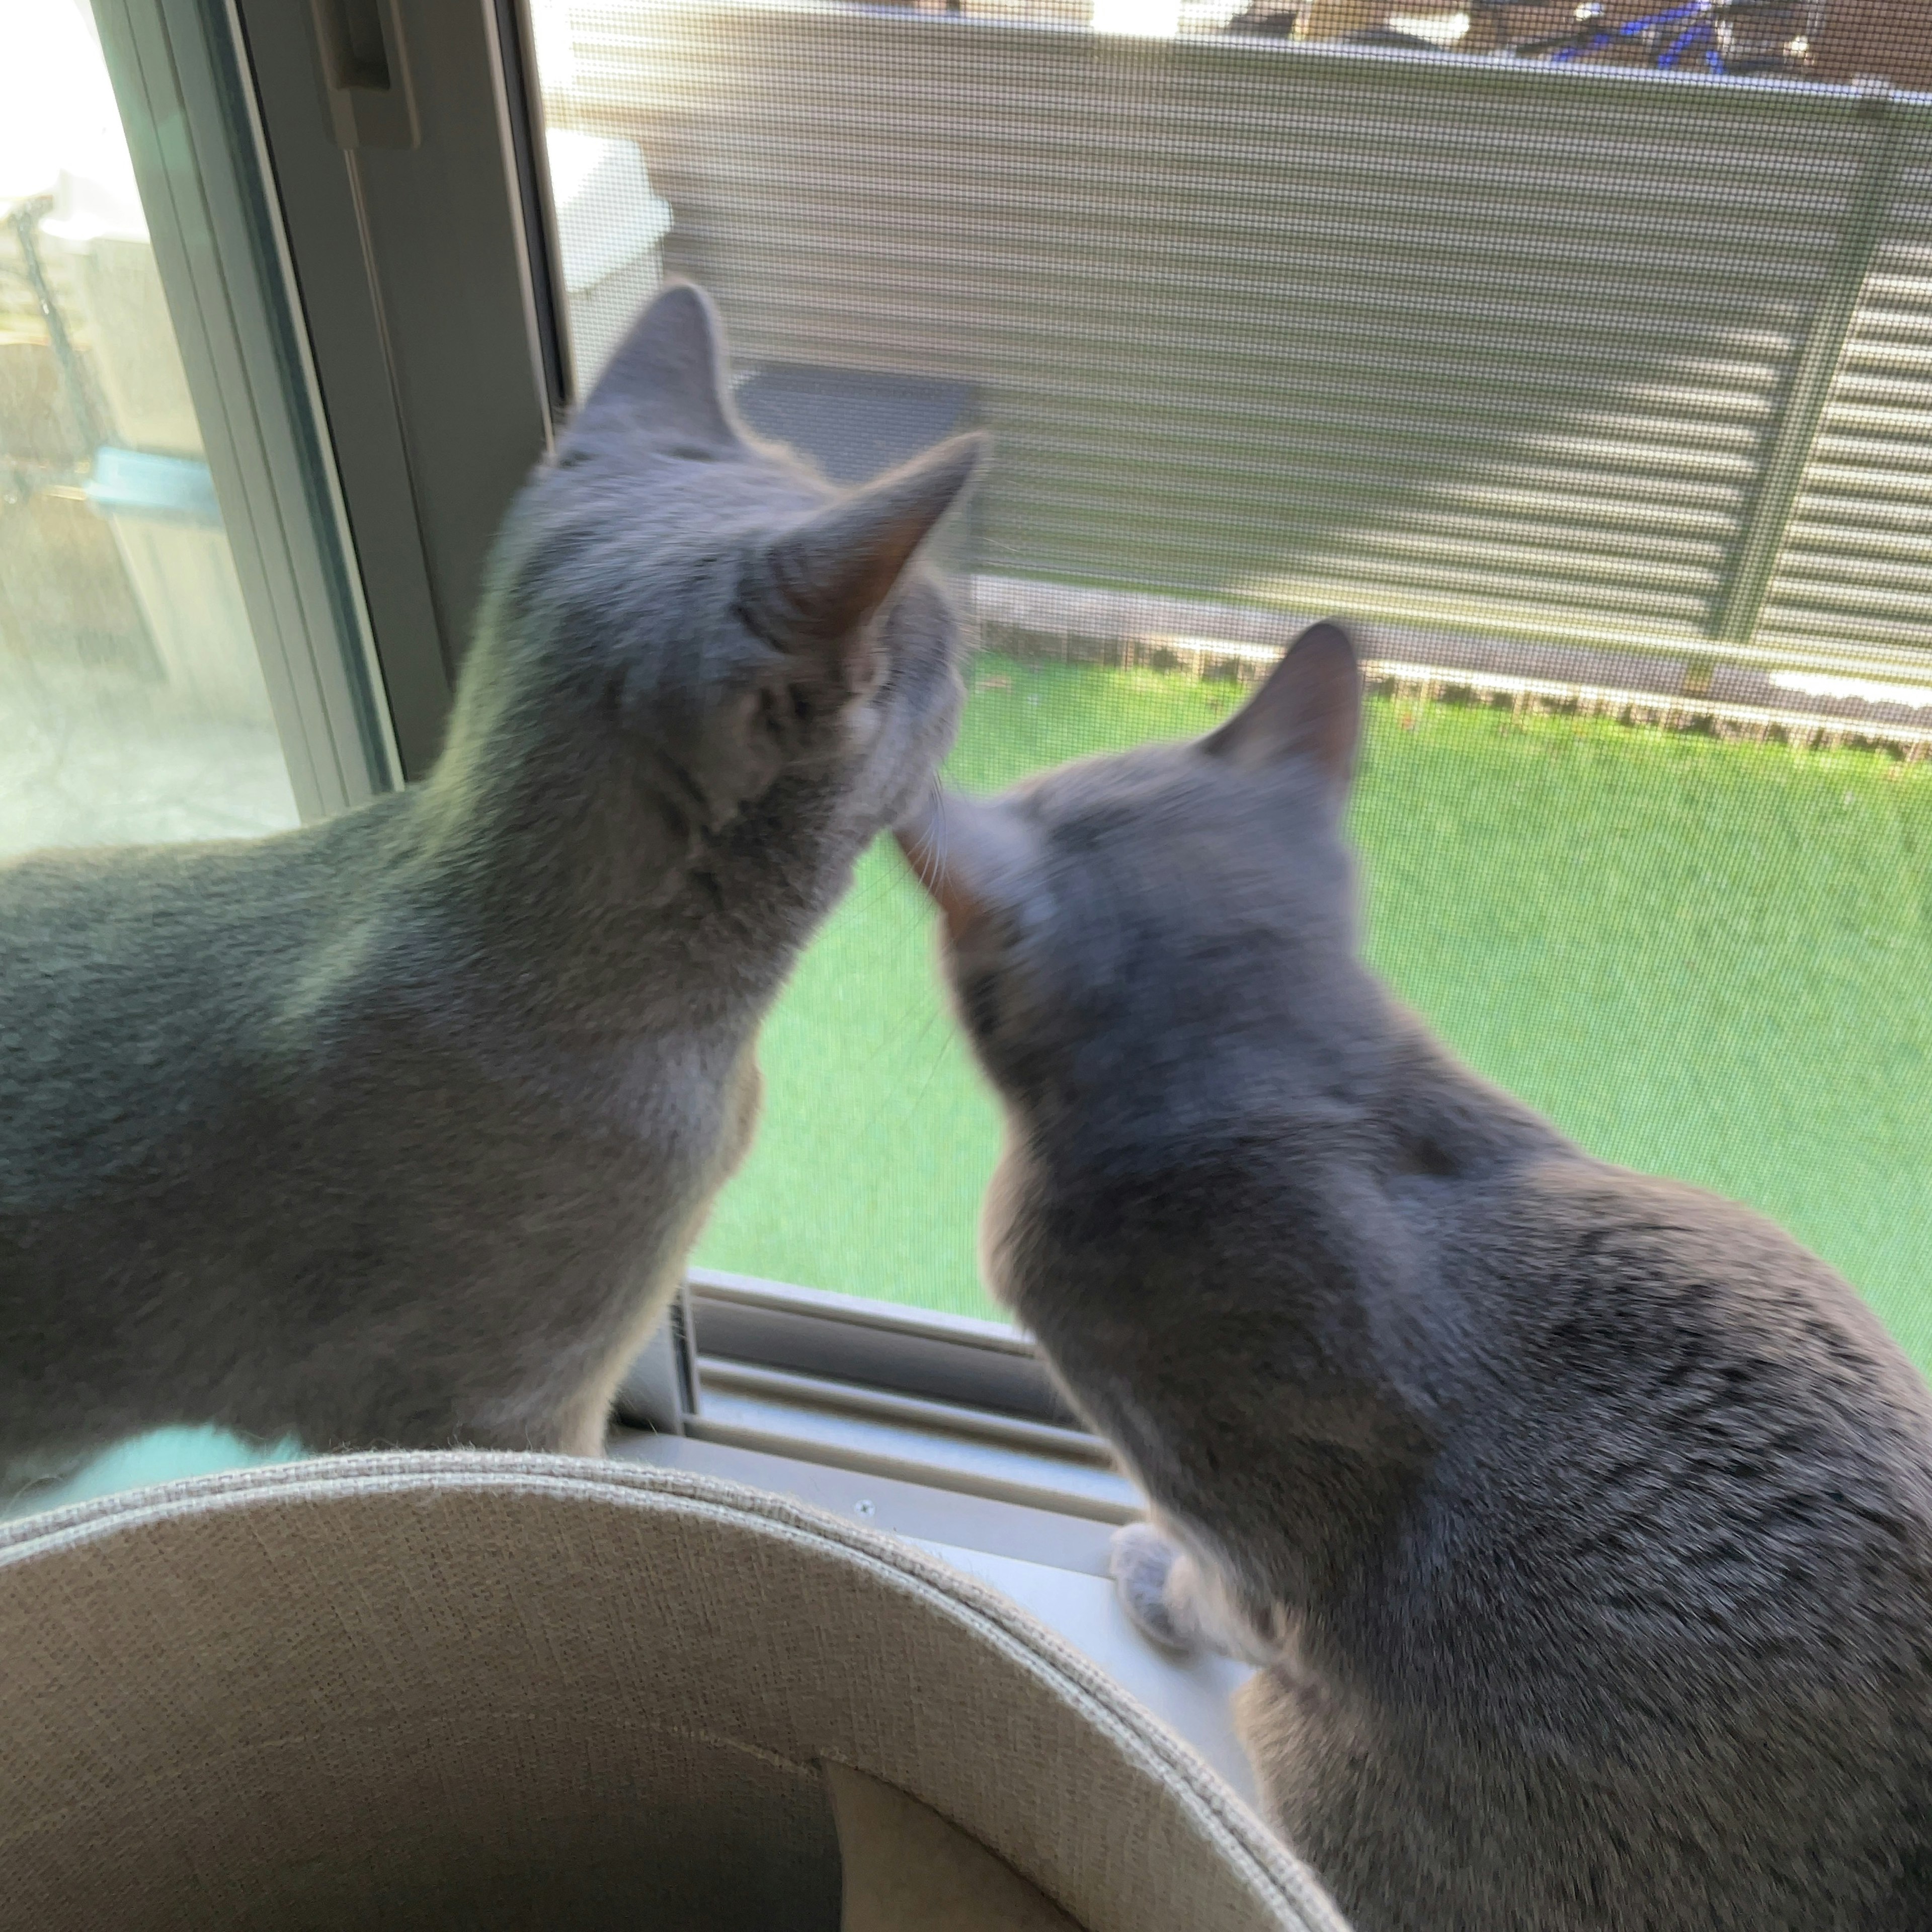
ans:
x=721 y=1375
x=944 y=1400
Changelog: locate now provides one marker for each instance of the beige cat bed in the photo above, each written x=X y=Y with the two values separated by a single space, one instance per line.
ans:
x=497 y=1691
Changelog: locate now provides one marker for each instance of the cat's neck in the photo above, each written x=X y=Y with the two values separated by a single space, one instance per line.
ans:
x=1362 y=1082
x=1432 y=1114
x=579 y=909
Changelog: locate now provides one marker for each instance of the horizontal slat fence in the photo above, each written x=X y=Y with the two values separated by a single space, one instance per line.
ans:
x=1479 y=345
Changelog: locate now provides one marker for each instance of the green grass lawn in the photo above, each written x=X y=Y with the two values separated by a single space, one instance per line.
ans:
x=1707 y=959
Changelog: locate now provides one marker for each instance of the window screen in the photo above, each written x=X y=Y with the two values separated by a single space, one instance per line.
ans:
x=1581 y=355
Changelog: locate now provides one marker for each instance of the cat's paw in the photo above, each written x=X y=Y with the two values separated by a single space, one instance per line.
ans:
x=1140 y=1560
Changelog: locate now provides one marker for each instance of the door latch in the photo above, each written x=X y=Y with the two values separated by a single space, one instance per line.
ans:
x=365 y=74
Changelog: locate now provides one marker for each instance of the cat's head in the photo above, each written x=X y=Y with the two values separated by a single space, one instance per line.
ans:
x=689 y=628
x=1128 y=936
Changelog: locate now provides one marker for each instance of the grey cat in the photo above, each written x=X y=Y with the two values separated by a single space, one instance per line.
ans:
x=1580 y=1523
x=397 y=1129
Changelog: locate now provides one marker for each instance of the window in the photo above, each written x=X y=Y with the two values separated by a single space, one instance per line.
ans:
x=1581 y=364
x=173 y=665
x=1589 y=377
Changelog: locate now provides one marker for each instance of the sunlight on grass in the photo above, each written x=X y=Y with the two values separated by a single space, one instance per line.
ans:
x=1708 y=959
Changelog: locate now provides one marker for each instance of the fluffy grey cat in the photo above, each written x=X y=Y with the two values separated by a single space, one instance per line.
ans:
x=1581 y=1522
x=397 y=1129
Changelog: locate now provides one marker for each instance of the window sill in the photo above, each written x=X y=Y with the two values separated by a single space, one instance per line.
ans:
x=1054 y=1566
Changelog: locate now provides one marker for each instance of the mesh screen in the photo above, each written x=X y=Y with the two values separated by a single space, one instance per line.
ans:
x=1581 y=355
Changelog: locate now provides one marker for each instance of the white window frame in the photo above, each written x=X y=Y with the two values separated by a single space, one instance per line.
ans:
x=221 y=254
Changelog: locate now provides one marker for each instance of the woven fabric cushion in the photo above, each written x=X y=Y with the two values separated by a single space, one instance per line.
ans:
x=905 y=1865
x=508 y=1690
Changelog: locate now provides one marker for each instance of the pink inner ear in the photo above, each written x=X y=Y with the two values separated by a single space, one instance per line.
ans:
x=1310 y=705
x=833 y=573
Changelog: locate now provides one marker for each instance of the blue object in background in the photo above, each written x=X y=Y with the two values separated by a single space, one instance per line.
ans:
x=162 y=1455
x=136 y=483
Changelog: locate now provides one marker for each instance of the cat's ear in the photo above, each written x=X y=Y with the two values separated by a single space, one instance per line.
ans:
x=972 y=856
x=1310 y=705
x=805 y=599
x=824 y=580
x=666 y=380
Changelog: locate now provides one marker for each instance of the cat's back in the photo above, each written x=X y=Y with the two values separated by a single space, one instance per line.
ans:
x=1658 y=1629
x=92 y=911
x=1616 y=1308
x=1688 y=1471
x=134 y=971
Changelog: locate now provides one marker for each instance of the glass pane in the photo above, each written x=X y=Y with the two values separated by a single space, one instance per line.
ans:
x=132 y=703
x=1586 y=377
